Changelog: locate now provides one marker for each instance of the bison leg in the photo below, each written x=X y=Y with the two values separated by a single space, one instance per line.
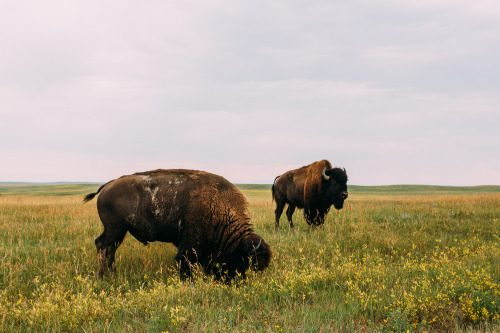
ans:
x=314 y=217
x=279 y=210
x=186 y=259
x=318 y=220
x=106 y=245
x=289 y=213
x=310 y=215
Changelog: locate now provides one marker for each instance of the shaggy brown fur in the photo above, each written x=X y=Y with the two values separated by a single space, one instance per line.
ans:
x=202 y=214
x=309 y=188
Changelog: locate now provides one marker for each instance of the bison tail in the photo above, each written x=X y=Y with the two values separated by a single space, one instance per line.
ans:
x=272 y=188
x=91 y=196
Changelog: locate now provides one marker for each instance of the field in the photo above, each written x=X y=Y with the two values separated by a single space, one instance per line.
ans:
x=401 y=259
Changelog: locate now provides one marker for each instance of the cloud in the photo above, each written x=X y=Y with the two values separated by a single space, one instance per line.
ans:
x=385 y=88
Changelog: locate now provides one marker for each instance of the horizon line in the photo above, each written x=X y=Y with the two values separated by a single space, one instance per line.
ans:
x=27 y=183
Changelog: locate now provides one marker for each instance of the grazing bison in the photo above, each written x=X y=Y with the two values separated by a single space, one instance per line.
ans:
x=202 y=214
x=315 y=187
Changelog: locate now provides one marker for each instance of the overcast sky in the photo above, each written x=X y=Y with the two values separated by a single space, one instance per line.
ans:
x=397 y=92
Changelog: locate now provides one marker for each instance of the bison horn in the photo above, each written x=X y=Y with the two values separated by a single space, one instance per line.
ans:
x=256 y=248
x=323 y=174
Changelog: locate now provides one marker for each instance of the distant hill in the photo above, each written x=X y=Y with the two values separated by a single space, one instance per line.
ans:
x=60 y=188
x=422 y=189
x=251 y=190
x=48 y=183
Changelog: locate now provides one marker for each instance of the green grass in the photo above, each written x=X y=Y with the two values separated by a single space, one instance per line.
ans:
x=384 y=263
x=422 y=189
x=54 y=189
x=256 y=190
x=265 y=189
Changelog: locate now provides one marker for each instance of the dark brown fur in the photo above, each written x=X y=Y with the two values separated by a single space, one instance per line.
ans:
x=307 y=188
x=202 y=214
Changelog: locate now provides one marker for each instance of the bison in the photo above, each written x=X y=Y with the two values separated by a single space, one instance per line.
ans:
x=315 y=188
x=202 y=214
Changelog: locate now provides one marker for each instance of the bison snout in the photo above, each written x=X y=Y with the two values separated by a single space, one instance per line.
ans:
x=344 y=194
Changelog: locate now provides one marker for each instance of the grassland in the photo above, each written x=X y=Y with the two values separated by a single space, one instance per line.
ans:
x=388 y=262
x=45 y=189
x=255 y=190
x=399 y=190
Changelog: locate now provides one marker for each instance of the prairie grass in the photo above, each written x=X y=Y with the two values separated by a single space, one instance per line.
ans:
x=382 y=264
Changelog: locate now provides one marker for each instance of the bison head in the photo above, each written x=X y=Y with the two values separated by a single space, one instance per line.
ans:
x=259 y=254
x=335 y=186
x=252 y=253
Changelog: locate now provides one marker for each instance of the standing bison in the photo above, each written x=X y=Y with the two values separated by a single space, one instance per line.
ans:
x=315 y=187
x=202 y=214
